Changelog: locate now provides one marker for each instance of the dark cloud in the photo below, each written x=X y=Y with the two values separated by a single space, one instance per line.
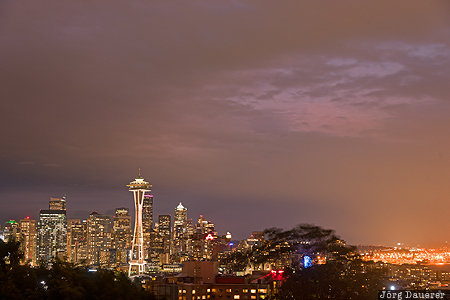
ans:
x=255 y=113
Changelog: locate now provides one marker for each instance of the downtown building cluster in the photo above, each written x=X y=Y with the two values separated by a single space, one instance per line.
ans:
x=182 y=257
x=103 y=241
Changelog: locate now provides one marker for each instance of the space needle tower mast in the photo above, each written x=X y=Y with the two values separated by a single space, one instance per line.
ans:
x=137 y=263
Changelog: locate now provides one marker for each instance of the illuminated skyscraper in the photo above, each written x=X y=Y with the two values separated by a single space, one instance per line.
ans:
x=164 y=226
x=179 y=221
x=179 y=230
x=11 y=231
x=28 y=240
x=147 y=213
x=138 y=187
x=57 y=203
x=203 y=239
x=121 y=235
x=52 y=232
x=99 y=239
x=52 y=235
x=147 y=222
x=204 y=226
x=77 y=247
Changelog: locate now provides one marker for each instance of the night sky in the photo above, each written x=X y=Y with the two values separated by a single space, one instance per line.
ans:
x=253 y=113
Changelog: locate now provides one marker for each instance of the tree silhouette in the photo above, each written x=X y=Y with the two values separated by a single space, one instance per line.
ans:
x=62 y=281
x=343 y=276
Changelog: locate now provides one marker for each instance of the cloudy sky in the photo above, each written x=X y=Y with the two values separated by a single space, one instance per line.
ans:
x=253 y=113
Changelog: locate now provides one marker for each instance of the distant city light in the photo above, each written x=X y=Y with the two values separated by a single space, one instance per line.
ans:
x=307 y=261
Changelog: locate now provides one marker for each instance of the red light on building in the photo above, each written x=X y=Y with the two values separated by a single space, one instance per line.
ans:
x=277 y=274
x=209 y=237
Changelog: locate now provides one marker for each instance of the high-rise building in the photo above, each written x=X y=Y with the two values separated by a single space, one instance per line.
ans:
x=164 y=231
x=203 y=241
x=52 y=232
x=99 y=239
x=121 y=235
x=28 y=240
x=52 y=236
x=147 y=222
x=77 y=247
x=179 y=229
x=57 y=203
x=179 y=221
x=11 y=231
x=204 y=226
x=138 y=187
x=147 y=213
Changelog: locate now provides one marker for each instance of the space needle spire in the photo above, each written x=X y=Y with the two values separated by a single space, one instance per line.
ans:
x=137 y=263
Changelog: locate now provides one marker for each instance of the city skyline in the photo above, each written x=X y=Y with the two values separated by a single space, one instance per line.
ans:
x=256 y=113
x=180 y=206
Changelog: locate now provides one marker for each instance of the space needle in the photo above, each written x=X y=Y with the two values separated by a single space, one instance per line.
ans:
x=137 y=263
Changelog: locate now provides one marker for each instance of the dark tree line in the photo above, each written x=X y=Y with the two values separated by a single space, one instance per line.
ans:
x=343 y=276
x=62 y=281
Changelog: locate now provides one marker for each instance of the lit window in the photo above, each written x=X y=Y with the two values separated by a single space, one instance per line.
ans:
x=228 y=290
x=208 y=290
x=193 y=291
x=245 y=290
x=236 y=297
x=253 y=291
x=263 y=291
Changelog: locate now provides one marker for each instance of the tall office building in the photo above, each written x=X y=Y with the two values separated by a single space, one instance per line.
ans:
x=203 y=241
x=57 y=203
x=52 y=232
x=204 y=226
x=99 y=239
x=180 y=224
x=179 y=221
x=11 y=231
x=77 y=251
x=138 y=187
x=147 y=222
x=52 y=236
x=28 y=240
x=147 y=213
x=121 y=235
x=164 y=231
